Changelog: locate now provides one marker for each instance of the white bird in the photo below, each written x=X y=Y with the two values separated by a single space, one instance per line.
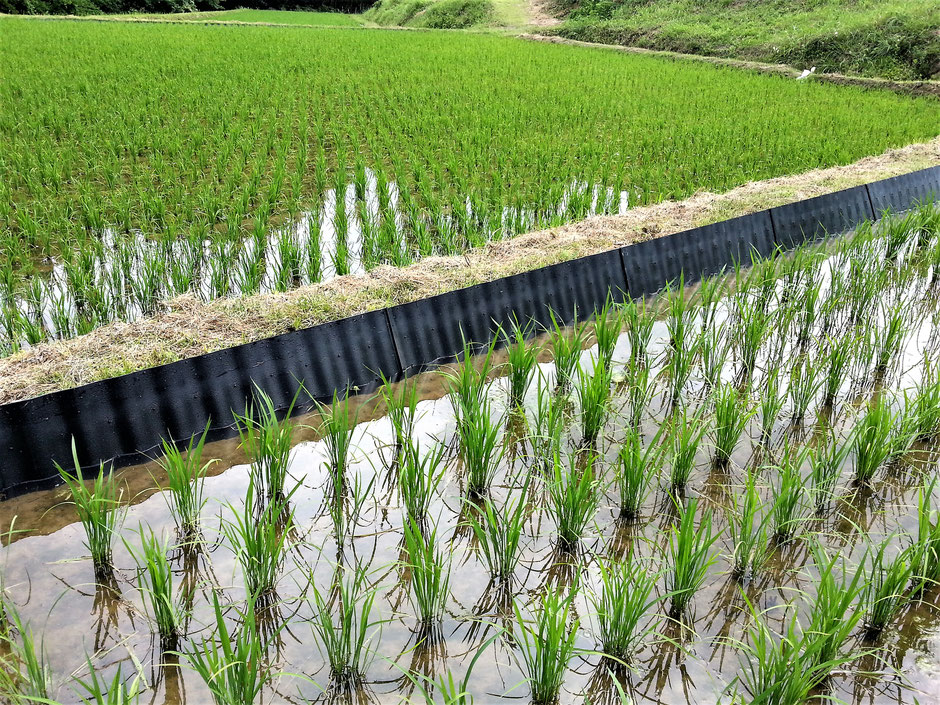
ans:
x=806 y=73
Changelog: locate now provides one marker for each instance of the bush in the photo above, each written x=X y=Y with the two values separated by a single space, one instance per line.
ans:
x=456 y=14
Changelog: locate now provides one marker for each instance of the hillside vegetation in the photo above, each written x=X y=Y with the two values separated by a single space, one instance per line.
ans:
x=896 y=39
x=445 y=14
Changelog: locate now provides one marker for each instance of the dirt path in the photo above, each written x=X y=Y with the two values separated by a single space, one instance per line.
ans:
x=189 y=327
x=540 y=14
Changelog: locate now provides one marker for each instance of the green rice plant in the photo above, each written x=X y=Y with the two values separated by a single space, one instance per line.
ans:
x=608 y=322
x=627 y=595
x=872 y=440
x=686 y=432
x=748 y=529
x=784 y=669
x=731 y=418
x=890 y=338
x=547 y=425
x=25 y=675
x=338 y=423
x=480 y=446
x=771 y=404
x=547 y=644
x=885 y=592
x=466 y=385
x=259 y=538
x=97 y=691
x=567 y=344
x=690 y=556
x=710 y=292
x=715 y=347
x=681 y=351
x=344 y=626
x=924 y=408
x=804 y=383
x=99 y=510
x=753 y=325
x=186 y=474
x=430 y=574
x=419 y=477
x=834 y=612
x=925 y=551
x=450 y=691
x=837 y=362
x=636 y=467
x=639 y=322
x=639 y=392
x=345 y=504
x=165 y=605
x=594 y=399
x=826 y=461
x=266 y=441
x=521 y=359
x=232 y=665
x=401 y=407
x=499 y=533
x=573 y=497
x=788 y=496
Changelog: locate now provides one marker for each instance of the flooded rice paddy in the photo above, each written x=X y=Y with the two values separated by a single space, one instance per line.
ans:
x=126 y=275
x=780 y=539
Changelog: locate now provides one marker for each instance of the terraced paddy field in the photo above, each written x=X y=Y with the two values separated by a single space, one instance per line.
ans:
x=145 y=161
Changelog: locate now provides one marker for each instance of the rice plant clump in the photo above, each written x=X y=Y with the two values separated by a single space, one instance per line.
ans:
x=594 y=399
x=690 y=556
x=25 y=675
x=886 y=590
x=266 y=441
x=429 y=572
x=259 y=538
x=499 y=533
x=165 y=603
x=344 y=626
x=573 y=496
x=546 y=644
x=731 y=418
x=685 y=434
x=872 y=436
x=186 y=475
x=636 y=468
x=748 y=528
x=521 y=359
x=232 y=665
x=99 y=511
x=627 y=596
x=419 y=477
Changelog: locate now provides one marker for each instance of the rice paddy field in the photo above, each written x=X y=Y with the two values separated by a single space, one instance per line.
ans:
x=144 y=161
x=726 y=493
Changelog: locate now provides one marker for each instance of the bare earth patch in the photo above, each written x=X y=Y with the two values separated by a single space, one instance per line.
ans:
x=540 y=14
x=189 y=327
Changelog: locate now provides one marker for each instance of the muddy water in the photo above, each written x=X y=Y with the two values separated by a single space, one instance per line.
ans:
x=50 y=577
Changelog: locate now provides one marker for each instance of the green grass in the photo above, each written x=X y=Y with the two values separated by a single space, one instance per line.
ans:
x=251 y=132
x=893 y=38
